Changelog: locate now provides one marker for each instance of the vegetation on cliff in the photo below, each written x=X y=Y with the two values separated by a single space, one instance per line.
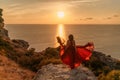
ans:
x=29 y=58
x=104 y=66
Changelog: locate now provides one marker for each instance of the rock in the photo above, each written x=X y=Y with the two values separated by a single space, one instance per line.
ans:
x=106 y=59
x=1 y=11
x=100 y=63
x=1 y=25
x=4 y=33
x=1 y=19
x=62 y=72
x=20 y=43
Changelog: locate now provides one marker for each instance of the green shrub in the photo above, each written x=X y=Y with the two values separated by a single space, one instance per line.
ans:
x=51 y=53
x=31 y=62
x=35 y=61
x=118 y=65
x=97 y=66
x=113 y=75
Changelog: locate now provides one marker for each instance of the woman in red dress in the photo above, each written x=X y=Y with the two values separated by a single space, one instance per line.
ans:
x=73 y=55
x=70 y=50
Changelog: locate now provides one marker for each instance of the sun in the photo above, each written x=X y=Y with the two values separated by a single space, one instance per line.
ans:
x=60 y=14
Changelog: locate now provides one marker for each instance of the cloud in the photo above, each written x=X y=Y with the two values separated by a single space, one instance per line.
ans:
x=116 y=15
x=113 y=16
x=15 y=8
x=14 y=5
x=109 y=18
x=89 y=18
x=22 y=4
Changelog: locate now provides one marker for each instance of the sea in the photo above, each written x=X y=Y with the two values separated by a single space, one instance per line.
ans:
x=106 y=38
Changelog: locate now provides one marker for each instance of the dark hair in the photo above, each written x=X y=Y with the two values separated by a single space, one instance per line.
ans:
x=70 y=37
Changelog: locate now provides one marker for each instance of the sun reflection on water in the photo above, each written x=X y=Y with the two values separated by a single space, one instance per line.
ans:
x=60 y=32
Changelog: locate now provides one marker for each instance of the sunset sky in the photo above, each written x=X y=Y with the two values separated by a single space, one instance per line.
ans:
x=75 y=11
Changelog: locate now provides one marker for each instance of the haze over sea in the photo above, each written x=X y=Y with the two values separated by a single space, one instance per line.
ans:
x=106 y=38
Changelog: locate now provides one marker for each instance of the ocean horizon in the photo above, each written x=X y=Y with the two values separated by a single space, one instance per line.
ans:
x=41 y=36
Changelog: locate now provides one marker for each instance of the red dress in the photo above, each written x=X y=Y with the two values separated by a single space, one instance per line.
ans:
x=73 y=57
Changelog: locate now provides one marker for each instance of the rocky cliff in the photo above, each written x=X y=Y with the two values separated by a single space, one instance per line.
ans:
x=9 y=68
x=99 y=66
x=3 y=31
x=101 y=63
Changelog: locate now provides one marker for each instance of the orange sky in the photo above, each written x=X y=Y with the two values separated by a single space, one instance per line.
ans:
x=75 y=11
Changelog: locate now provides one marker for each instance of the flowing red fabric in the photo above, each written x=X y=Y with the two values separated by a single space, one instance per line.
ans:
x=82 y=53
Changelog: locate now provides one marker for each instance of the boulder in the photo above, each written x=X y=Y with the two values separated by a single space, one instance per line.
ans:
x=62 y=72
x=106 y=59
x=20 y=43
x=4 y=33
